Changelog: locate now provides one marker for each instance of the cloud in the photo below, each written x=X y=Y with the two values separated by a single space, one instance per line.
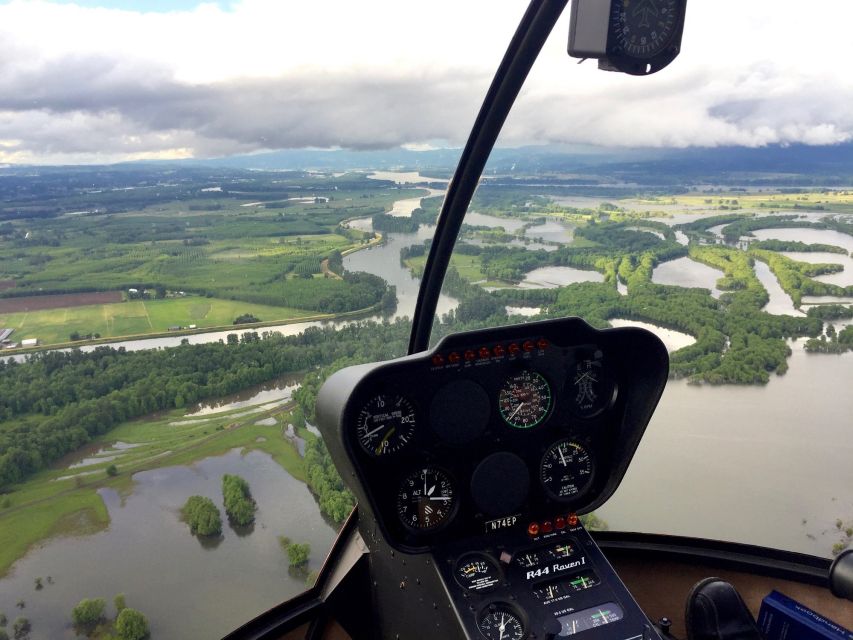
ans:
x=92 y=85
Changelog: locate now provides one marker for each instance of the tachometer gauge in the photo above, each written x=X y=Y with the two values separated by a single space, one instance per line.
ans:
x=524 y=400
x=426 y=499
x=566 y=470
x=501 y=622
x=385 y=425
x=477 y=573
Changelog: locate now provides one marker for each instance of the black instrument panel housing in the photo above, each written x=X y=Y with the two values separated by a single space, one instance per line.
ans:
x=636 y=365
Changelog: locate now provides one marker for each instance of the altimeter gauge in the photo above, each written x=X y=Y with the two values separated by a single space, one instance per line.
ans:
x=385 y=425
x=426 y=499
x=566 y=470
x=524 y=399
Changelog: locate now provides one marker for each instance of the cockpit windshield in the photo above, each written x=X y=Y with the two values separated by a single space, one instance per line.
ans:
x=206 y=209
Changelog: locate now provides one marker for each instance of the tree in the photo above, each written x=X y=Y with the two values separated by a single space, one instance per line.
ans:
x=202 y=516
x=3 y=620
x=39 y=584
x=131 y=625
x=298 y=554
x=21 y=628
x=119 y=603
x=237 y=497
x=112 y=470
x=4 y=635
x=88 y=612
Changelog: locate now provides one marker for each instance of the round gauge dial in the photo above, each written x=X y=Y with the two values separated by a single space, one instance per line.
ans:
x=477 y=573
x=385 y=425
x=566 y=470
x=426 y=499
x=501 y=622
x=589 y=388
x=643 y=28
x=524 y=400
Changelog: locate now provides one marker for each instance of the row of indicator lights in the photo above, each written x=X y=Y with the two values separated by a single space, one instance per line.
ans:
x=483 y=353
x=547 y=526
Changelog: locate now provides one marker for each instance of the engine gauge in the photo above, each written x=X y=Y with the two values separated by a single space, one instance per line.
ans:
x=528 y=560
x=477 y=573
x=524 y=399
x=501 y=622
x=583 y=581
x=561 y=551
x=426 y=499
x=566 y=470
x=589 y=387
x=385 y=425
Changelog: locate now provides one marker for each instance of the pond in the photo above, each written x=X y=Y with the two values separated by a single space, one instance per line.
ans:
x=275 y=390
x=684 y=272
x=553 y=277
x=164 y=571
x=673 y=340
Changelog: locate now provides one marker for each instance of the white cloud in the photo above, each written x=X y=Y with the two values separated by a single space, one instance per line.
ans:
x=81 y=84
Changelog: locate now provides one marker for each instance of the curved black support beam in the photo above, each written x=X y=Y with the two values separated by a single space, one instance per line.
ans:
x=524 y=48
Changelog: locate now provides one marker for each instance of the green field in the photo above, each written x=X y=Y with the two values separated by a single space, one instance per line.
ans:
x=138 y=317
x=61 y=501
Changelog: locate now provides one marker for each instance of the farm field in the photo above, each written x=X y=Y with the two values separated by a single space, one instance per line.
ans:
x=137 y=317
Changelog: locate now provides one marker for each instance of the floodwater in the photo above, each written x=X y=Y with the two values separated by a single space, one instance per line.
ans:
x=747 y=463
x=275 y=390
x=672 y=339
x=185 y=588
x=527 y=312
x=510 y=225
x=780 y=303
x=552 y=231
x=404 y=177
x=553 y=277
x=842 y=278
x=809 y=236
x=684 y=272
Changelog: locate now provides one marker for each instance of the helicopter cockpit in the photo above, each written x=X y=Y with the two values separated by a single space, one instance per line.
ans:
x=474 y=462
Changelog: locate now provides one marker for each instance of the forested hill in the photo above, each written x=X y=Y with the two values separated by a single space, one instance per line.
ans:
x=58 y=401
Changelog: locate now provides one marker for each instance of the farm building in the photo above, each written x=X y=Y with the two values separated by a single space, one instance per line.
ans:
x=30 y=342
x=4 y=334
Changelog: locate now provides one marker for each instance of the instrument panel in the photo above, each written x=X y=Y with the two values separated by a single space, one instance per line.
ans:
x=492 y=430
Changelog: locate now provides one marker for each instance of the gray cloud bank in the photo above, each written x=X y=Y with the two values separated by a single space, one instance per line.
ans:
x=97 y=107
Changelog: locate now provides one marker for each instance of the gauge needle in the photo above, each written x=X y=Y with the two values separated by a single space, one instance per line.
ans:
x=384 y=440
x=370 y=433
x=562 y=457
x=502 y=628
x=517 y=409
x=574 y=626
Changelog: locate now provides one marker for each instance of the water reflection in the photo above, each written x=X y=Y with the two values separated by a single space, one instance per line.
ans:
x=684 y=272
x=164 y=571
x=553 y=277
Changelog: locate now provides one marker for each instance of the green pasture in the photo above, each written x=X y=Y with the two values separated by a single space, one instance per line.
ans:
x=137 y=317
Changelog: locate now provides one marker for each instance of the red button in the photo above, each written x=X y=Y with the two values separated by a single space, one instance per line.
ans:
x=514 y=349
x=470 y=355
x=438 y=360
x=528 y=345
x=542 y=343
x=499 y=351
x=454 y=357
x=547 y=527
x=533 y=529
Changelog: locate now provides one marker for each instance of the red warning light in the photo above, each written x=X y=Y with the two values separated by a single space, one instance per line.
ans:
x=484 y=352
x=547 y=527
x=454 y=357
x=437 y=360
x=542 y=343
x=560 y=522
x=572 y=519
x=470 y=355
x=528 y=345
x=533 y=529
x=514 y=349
x=499 y=351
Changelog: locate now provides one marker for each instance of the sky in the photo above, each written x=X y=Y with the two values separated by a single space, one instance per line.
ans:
x=108 y=81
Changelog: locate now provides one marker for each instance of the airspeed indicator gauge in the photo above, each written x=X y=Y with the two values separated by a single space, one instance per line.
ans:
x=385 y=425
